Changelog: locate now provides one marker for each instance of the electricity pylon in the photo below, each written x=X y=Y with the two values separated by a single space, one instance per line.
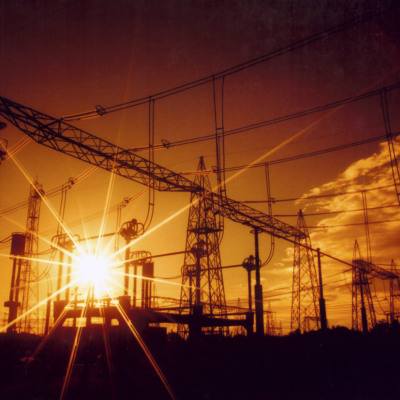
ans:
x=363 y=312
x=202 y=282
x=305 y=313
x=394 y=300
x=239 y=330
x=29 y=268
x=270 y=322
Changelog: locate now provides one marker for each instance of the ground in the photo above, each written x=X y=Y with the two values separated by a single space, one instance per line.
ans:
x=337 y=364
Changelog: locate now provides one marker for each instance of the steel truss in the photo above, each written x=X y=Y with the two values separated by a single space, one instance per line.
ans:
x=67 y=139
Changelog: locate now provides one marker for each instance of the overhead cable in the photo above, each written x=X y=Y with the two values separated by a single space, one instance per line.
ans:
x=285 y=118
x=336 y=212
x=239 y=67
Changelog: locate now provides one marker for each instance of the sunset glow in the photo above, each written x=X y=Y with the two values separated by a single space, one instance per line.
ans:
x=92 y=271
x=183 y=181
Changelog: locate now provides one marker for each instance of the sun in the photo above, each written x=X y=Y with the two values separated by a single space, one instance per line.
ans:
x=92 y=271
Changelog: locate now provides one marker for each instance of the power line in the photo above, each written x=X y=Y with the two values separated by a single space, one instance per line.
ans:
x=325 y=284
x=234 y=69
x=320 y=196
x=284 y=118
x=299 y=156
x=290 y=292
x=312 y=154
x=6 y=240
x=336 y=212
x=355 y=224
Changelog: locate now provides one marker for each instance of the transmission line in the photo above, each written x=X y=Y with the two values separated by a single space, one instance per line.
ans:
x=354 y=224
x=285 y=118
x=311 y=154
x=335 y=212
x=235 y=69
x=320 y=196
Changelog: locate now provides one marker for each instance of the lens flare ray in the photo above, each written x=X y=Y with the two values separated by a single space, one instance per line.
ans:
x=144 y=348
x=44 y=198
x=106 y=210
x=151 y=279
x=107 y=350
x=74 y=349
x=41 y=303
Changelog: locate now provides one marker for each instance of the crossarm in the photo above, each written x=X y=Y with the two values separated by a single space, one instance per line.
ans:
x=374 y=270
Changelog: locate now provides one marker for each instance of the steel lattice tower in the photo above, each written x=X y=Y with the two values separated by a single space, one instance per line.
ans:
x=202 y=263
x=363 y=312
x=29 y=269
x=394 y=302
x=270 y=322
x=305 y=313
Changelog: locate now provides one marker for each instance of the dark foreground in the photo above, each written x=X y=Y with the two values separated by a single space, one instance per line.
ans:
x=338 y=364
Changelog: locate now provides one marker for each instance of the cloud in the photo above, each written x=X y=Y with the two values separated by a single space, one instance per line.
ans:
x=344 y=218
x=340 y=220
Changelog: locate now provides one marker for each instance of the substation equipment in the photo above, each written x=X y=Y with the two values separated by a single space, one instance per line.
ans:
x=67 y=139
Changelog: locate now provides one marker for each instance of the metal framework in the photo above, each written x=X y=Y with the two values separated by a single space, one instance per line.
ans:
x=65 y=138
x=29 y=285
x=363 y=312
x=202 y=282
x=305 y=315
x=394 y=300
x=270 y=322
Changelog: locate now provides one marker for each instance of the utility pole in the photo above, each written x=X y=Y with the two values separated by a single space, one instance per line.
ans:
x=258 y=295
x=322 y=307
x=64 y=244
x=249 y=264
x=130 y=230
x=3 y=143
x=17 y=251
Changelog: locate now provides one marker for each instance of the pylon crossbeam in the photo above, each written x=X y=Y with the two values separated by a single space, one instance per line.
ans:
x=67 y=139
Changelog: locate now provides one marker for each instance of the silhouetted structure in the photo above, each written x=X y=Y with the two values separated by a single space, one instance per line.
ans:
x=305 y=314
x=270 y=322
x=363 y=312
x=202 y=282
x=29 y=285
x=394 y=299
x=16 y=253
x=86 y=147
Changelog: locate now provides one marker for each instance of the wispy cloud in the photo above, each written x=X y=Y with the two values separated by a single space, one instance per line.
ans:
x=343 y=228
x=336 y=231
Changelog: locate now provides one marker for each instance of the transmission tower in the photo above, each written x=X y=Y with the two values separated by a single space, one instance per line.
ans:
x=239 y=330
x=394 y=300
x=270 y=322
x=29 y=268
x=305 y=313
x=202 y=282
x=363 y=312
x=280 y=331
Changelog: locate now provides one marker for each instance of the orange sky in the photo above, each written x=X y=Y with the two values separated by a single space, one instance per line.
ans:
x=64 y=58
